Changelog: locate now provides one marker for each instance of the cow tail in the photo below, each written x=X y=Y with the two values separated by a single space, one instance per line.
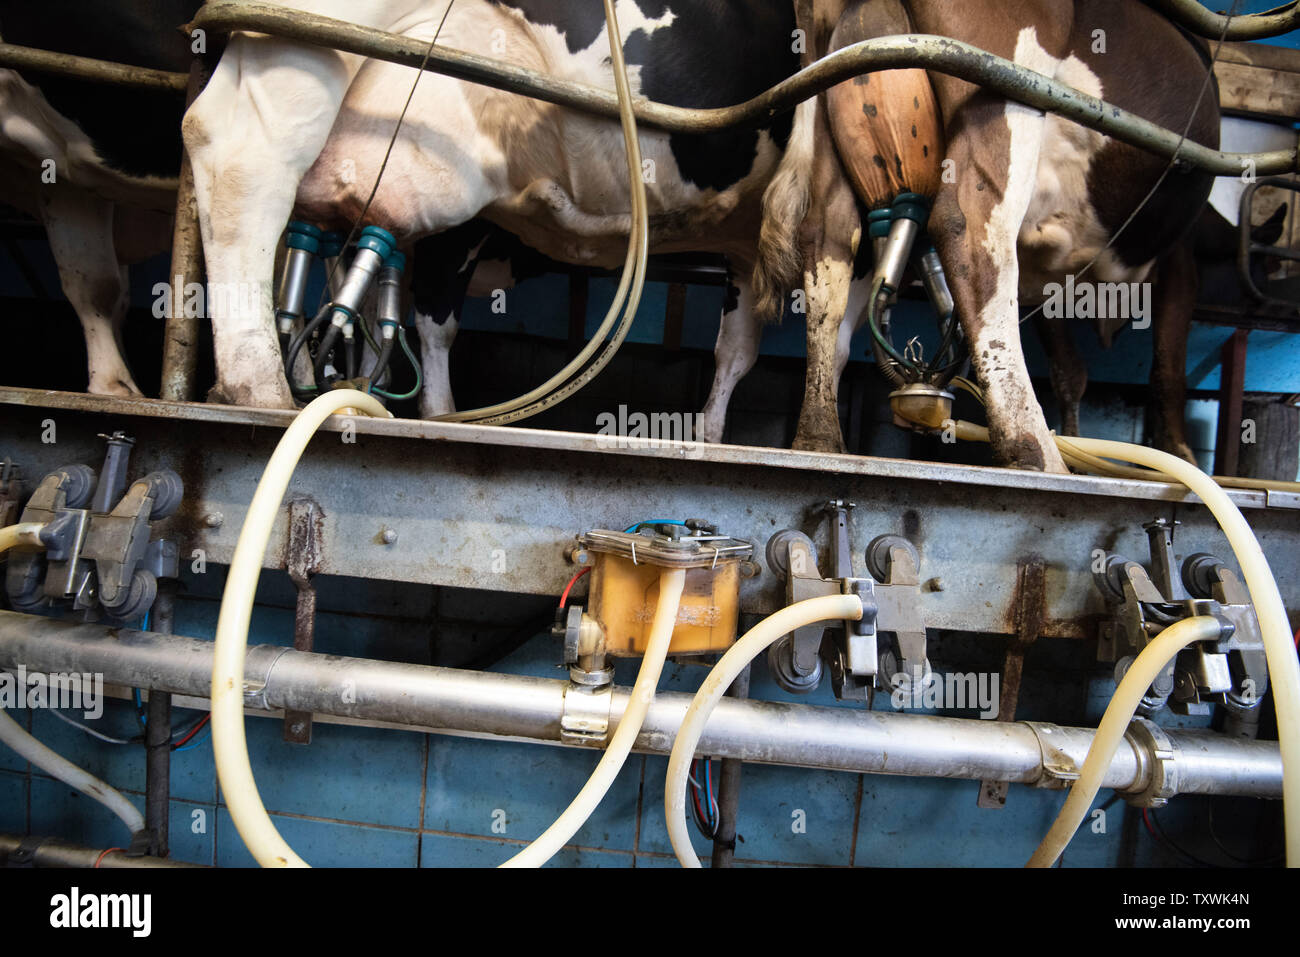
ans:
x=779 y=267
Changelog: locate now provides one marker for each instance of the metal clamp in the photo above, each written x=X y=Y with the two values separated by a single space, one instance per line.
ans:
x=1059 y=766
x=1157 y=763
x=585 y=720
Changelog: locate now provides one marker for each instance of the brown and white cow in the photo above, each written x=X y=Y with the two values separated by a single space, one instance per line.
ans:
x=1034 y=197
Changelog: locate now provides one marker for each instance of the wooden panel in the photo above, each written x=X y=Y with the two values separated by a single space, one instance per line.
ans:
x=1259 y=80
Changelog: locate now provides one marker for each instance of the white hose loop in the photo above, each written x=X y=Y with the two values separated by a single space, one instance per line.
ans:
x=671 y=582
x=738 y=656
x=229 y=746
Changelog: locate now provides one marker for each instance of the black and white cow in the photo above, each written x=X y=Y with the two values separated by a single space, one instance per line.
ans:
x=285 y=128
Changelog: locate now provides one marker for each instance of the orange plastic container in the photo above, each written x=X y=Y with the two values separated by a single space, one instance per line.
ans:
x=624 y=592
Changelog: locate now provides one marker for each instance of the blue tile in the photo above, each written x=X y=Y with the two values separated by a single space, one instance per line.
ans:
x=13 y=803
x=370 y=775
x=930 y=822
x=323 y=843
x=63 y=812
x=796 y=815
x=192 y=832
x=470 y=780
x=449 y=850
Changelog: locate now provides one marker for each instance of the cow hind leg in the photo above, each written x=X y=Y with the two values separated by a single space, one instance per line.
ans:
x=80 y=230
x=1069 y=374
x=1175 y=298
x=734 y=356
x=974 y=225
x=251 y=135
x=827 y=247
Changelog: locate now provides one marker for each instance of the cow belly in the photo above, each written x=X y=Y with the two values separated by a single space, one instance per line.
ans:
x=34 y=135
x=1062 y=232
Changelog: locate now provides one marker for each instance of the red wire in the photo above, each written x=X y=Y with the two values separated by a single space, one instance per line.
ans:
x=565 y=597
x=193 y=731
x=105 y=854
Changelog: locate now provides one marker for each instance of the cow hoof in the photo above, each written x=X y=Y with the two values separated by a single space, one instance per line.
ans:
x=825 y=444
x=1029 y=456
x=273 y=396
x=114 y=385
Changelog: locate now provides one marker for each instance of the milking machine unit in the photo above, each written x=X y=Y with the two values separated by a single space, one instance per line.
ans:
x=374 y=270
x=919 y=385
x=624 y=590
x=100 y=556
x=886 y=649
x=1230 y=670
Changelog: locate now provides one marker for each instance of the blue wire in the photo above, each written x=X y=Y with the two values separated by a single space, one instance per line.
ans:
x=139 y=705
x=657 y=521
x=198 y=739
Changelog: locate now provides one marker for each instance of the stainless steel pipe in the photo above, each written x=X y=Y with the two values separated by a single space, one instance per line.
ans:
x=941 y=54
x=52 y=852
x=450 y=700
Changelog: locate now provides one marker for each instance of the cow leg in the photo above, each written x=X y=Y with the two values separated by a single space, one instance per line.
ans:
x=80 y=230
x=855 y=314
x=436 y=339
x=1069 y=374
x=442 y=267
x=733 y=356
x=827 y=246
x=1175 y=298
x=974 y=225
x=251 y=135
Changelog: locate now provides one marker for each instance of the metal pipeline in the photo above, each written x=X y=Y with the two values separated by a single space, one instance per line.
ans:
x=451 y=701
x=940 y=54
x=1193 y=15
x=51 y=852
x=884 y=53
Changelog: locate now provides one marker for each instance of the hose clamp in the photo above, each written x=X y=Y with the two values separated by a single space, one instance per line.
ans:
x=585 y=721
x=258 y=663
x=1157 y=764
x=1059 y=766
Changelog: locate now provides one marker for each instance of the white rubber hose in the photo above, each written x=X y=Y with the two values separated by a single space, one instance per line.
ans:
x=738 y=656
x=28 y=748
x=671 y=582
x=13 y=734
x=24 y=533
x=1283 y=666
x=1114 y=723
x=229 y=746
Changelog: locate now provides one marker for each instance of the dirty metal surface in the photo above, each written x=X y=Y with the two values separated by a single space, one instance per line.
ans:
x=495 y=508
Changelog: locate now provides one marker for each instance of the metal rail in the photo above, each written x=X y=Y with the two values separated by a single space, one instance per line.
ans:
x=85 y=68
x=941 y=54
x=1255 y=26
x=18 y=851
x=837 y=739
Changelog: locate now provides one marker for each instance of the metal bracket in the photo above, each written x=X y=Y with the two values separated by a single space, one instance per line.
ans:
x=302 y=555
x=1059 y=767
x=585 y=720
